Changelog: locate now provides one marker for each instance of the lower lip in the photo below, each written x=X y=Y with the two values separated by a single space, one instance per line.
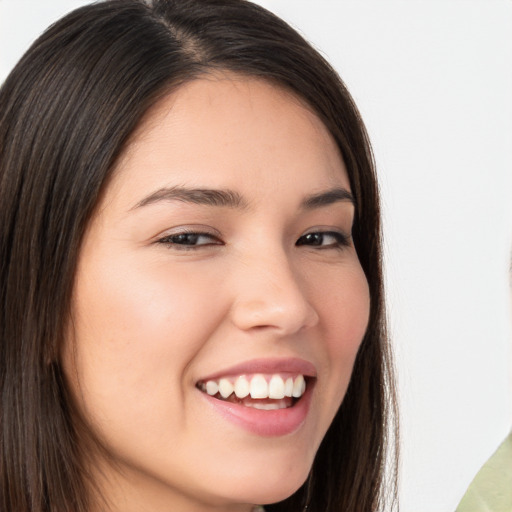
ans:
x=273 y=423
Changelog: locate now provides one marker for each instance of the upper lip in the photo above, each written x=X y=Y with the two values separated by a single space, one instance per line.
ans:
x=292 y=365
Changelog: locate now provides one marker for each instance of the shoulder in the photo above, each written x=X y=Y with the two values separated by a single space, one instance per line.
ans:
x=491 y=489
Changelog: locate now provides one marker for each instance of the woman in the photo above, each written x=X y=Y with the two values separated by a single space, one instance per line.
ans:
x=192 y=308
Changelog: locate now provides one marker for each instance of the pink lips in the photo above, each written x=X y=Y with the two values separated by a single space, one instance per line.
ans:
x=269 y=423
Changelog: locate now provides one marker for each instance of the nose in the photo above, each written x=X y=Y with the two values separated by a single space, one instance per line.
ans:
x=272 y=295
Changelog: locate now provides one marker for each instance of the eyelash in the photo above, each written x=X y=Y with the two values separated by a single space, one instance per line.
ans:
x=187 y=240
x=341 y=240
x=173 y=241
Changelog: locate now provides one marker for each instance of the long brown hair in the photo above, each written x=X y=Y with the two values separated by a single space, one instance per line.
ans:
x=66 y=112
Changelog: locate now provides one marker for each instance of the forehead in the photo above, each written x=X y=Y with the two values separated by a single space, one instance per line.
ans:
x=232 y=131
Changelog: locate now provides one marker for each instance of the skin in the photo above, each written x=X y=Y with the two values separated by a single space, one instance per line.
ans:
x=150 y=318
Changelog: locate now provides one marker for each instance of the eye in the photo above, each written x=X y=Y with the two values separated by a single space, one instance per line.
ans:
x=189 y=240
x=324 y=239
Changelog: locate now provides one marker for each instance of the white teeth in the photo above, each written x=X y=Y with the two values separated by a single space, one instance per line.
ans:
x=299 y=386
x=225 y=388
x=288 y=387
x=265 y=407
x=212 y=387
x=276 y=387
x=259 y=387
x=242 y=387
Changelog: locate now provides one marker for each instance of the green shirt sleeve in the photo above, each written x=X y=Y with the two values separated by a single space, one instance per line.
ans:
x=491 y=489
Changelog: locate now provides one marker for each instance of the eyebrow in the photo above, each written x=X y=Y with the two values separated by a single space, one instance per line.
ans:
x=231 y=199
x=202 y=196
x=327 y=198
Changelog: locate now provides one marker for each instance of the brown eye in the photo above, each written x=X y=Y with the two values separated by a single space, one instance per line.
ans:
x=189 y=240
x=324 y=239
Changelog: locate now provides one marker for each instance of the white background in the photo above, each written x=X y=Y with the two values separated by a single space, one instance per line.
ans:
x=433 y=80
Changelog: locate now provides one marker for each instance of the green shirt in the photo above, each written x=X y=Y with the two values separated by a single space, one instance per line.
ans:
x=491 y=489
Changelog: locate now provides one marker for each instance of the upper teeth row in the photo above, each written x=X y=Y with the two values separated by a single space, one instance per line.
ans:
x=257 y=386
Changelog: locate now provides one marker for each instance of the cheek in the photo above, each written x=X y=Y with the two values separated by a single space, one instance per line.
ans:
x=135 y=331
x=345 y=310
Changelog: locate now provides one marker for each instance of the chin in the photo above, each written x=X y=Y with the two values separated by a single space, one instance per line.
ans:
x=272 y=486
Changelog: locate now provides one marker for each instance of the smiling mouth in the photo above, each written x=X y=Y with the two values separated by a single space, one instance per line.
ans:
x=259 y=391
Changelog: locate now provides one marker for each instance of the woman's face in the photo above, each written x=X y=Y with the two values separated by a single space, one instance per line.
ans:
x=219 y=263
